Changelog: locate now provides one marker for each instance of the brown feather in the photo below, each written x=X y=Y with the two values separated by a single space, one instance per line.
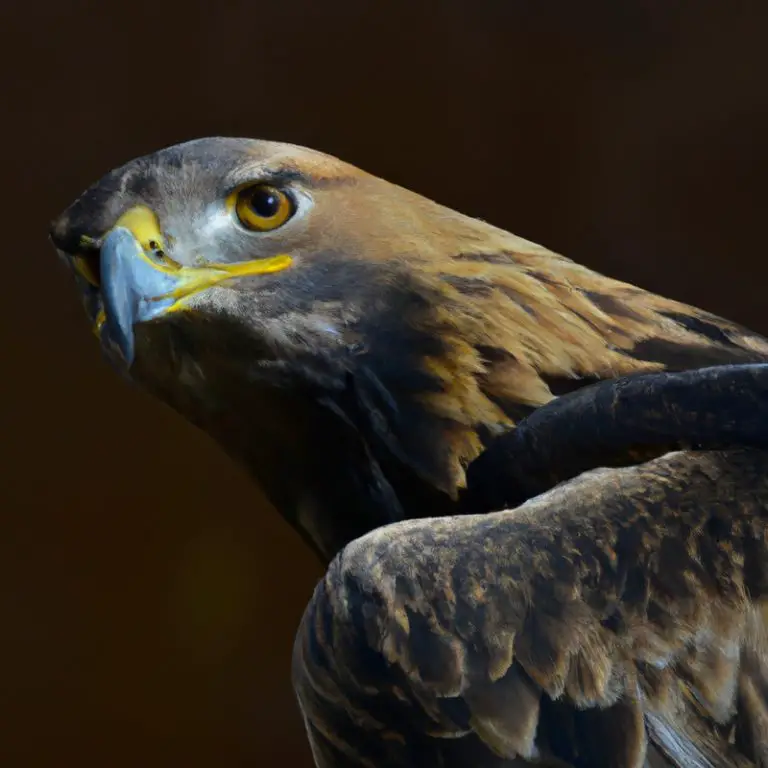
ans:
x=550 y=577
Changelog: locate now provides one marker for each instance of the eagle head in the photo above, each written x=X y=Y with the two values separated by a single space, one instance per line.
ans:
x=354 y=344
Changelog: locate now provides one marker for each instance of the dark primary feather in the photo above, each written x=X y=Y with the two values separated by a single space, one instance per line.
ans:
x=616 y=620
x=621 y=422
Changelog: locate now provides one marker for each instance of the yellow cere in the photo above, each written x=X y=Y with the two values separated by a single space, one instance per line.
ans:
x=143 y=224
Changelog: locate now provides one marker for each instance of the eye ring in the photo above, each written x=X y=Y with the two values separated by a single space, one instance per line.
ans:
x=262 y=207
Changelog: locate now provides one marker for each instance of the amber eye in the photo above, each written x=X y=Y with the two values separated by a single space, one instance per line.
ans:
x=263 y=208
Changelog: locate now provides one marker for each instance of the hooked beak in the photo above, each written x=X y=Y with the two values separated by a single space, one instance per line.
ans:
x=139 y=282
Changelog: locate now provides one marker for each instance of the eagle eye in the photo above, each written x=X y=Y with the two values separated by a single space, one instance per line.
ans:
x=263 y=208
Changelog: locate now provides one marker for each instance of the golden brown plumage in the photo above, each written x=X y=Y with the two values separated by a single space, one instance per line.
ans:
x=617 y=620
x=357 y=357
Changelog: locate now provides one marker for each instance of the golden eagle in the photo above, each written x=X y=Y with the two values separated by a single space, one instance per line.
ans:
x=540 y=492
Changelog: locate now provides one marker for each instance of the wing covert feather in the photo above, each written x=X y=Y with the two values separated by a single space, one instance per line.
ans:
x=616 y=620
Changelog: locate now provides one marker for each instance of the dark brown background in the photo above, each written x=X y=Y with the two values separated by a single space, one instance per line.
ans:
x=148 y=597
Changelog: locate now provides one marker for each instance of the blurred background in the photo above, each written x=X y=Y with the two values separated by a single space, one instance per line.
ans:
x=148 y=595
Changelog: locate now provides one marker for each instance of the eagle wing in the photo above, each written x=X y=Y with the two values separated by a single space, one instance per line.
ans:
x=618 y=423
x=617 y=619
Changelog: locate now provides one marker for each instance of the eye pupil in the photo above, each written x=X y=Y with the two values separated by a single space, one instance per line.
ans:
x=265 y=203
